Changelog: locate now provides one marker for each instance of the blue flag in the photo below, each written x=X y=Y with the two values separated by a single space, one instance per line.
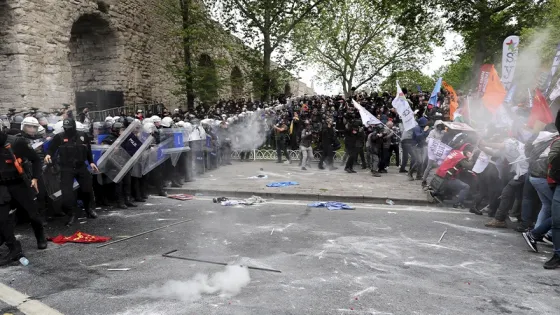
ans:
x=509 y=95
x=434 y=96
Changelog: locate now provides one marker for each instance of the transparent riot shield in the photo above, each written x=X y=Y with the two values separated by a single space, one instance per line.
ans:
x=123 y=154
x=156 y=156
x=178 y=146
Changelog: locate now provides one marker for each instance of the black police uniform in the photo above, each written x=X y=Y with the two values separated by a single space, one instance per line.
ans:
x=42 y=200
x=14 y=188
x=122 y=188
x=73 y=149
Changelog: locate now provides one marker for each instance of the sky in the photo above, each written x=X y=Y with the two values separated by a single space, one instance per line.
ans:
x=439 y=58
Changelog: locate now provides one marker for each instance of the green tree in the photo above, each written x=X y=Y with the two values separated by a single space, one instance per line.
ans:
x=458 y=73
x=484 y=24
x=355 y=42
x=409 y=79
x=266 y=26
x=550 y=20
x=188 y=24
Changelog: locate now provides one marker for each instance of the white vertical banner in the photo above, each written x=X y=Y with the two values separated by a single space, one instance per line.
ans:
x=403 y=108
x=555 y=64
x=509 y=59
x=437 y=150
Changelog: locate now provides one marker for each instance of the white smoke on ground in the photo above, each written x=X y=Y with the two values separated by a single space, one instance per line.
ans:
x=227 y=283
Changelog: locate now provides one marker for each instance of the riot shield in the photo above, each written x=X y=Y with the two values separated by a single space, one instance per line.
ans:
x=121 y=156
x=51 y=179
x=179 y=145
x=155 y=156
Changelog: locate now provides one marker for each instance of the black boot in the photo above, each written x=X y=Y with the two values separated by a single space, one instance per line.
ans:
x=91 y=214
x=162 y=193
x=176 y=184
x=141 y=199
x=129 y=203
x=39 y=232
x=14 y=254
x=121 y=205
x=71 y=219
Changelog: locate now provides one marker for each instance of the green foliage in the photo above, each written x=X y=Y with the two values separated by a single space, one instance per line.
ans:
x=459 y=73
x=484 y=24
x=355 y=42
x=188 y=24
x=550 y=20
x=266 y=26
x=409 y=79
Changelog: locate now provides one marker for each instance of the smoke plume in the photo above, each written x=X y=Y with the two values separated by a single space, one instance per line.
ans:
x=227 y=283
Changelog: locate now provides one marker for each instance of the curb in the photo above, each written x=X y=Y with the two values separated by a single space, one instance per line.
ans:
x=298 y=196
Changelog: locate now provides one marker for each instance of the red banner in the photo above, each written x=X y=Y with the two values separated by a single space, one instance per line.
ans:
x=79 y=237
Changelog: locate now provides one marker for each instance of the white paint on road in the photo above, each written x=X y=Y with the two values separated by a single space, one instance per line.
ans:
x=24 y=303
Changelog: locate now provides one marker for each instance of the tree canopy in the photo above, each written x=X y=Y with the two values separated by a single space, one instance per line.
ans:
x=356 y=41
x=411 y=79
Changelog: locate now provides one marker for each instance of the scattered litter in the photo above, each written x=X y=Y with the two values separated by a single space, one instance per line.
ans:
x=389 y=202
x=323 y=189
x=182 y=197
x=198 y=194
x=148 y=204
x=78 y=237
x=83 y=222
x=442 y=235
x=390 y=212
x=245 y=202
x=282 y=184
x=98 y=208
x=119 y=269
x=220 y=199
x=258 y=177
x=272 y=231
x=331 y=205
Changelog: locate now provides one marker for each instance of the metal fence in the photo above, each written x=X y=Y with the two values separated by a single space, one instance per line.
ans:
x=129 y=110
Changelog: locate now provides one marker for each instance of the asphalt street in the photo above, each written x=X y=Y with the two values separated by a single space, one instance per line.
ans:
x=376 y=259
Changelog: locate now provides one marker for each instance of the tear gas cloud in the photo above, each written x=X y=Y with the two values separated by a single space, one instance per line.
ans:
x=250 y=130
x=226 y=283
x=527 y=72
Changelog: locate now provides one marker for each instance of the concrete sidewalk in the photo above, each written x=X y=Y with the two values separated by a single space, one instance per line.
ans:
x=314 y=184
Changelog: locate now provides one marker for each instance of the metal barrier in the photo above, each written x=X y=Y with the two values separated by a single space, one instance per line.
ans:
x=129 y=110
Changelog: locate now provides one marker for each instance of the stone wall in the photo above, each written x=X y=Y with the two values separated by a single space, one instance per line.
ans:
x=52 y=49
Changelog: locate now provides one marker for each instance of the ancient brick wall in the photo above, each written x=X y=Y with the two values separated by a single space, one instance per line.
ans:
x=50 y=50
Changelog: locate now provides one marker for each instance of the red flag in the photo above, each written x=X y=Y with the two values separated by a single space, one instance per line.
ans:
x=491 y=88
x=79 y=237
x=541 y=110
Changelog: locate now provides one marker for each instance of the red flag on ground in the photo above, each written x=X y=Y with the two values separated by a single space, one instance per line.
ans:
x=79 y=237
x=541 y=111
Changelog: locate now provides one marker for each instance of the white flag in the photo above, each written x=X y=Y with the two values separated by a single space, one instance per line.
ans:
x=403 y=108
x=367 y=118
x=437 y=150
x=509 y=59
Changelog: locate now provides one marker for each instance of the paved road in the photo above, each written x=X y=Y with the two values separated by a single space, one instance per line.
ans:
x=377 y=259
x=314 y=184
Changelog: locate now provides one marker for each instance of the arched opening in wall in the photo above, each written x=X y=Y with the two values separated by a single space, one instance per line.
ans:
x=206 y=79
x=93 y=58
x=236 y=83
x=287 y=89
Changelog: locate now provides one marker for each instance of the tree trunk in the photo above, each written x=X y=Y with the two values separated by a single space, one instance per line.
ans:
x=185 y=8
x=265 y=95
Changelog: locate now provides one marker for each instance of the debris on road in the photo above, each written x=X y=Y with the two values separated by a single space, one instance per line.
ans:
x=168 y=255
x=442 y=235
x=79 y=237
x=331 y=205
x=118 y=269
x=258 y=177
x=143 y=233
x=220 y=199
x=390 y=202
x=282 y=184
x=182 y=197
x=244 y=202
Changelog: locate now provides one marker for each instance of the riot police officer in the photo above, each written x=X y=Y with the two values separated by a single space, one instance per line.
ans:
x=30 y=132
x=15 y=125
x=74 y=149
x=122 y=188
x=13 y=187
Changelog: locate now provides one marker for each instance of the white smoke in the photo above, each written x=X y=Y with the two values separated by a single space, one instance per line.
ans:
x=528 y=68
x=227 y=283
x=250 y=130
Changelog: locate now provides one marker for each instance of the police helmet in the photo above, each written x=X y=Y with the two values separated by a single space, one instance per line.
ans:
x=30 y=126
x=128 y=120
x=117 y=127
x=156 y=119
x=167 y=122
x=109 y=119
x=149 y=128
